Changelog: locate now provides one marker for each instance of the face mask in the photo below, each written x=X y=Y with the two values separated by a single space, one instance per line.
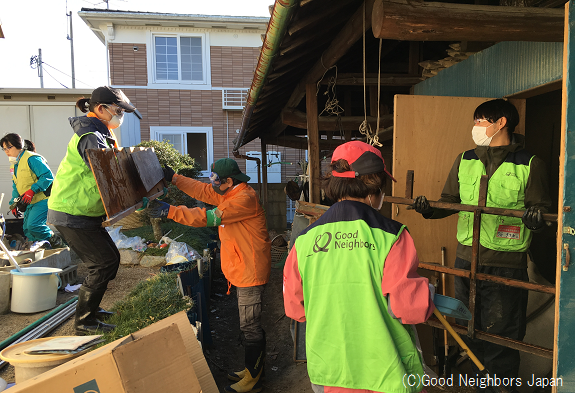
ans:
x=13 y=160
x=116 y=120
x=380 y=202
x=480 y=137
x=218 y=191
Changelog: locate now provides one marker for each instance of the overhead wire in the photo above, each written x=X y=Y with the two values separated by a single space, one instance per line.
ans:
x=76 y=79
x=52 y=76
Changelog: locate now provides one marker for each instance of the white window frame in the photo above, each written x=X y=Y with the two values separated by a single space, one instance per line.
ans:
x=154 y=82
x=157 y=131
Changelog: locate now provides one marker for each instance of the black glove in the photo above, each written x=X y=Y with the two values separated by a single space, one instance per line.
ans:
x=532 y=218
x=168 y=173
x=421 y=205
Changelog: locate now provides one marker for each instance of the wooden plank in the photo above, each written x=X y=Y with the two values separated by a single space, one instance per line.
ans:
x=298 y=119
x=148 y=167
x=118 y=181
x=434 y=21
x=314 y=165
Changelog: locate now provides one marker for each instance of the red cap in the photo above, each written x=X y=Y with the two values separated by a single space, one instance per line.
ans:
x=363 y=159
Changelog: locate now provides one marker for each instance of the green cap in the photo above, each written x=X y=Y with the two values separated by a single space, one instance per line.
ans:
x=226 y=167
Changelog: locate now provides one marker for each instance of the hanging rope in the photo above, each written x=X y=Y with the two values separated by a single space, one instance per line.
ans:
x=364 y=127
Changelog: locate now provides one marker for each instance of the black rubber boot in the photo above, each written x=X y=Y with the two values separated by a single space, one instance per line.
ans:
x=103 y=314
x=239 y=375
x=252 y=375
x=86 y=321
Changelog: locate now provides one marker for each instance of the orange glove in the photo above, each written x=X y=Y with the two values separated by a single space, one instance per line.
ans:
x=27 y=196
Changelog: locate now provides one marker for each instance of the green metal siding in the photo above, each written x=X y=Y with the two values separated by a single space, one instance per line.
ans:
x=503 y=69
x=566 y=327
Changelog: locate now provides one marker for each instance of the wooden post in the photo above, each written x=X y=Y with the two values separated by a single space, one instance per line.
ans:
x=312 y=143
x=434 y=21
x=264 y=196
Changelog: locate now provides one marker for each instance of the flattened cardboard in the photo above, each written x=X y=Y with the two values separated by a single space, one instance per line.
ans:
x=193 y=348
x=154 y=362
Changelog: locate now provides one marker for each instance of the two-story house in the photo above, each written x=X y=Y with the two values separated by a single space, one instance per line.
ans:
x=188 y=76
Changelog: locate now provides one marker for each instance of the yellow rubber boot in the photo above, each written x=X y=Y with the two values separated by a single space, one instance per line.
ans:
x=236 y=375
x=247 y=384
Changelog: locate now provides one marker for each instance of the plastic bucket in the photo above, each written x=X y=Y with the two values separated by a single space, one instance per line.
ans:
x=34 y=289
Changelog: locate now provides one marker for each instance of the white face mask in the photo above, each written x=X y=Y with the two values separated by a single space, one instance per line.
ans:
x=13 y=160
x=116 y=121
x=380 y=202
x=480 y=137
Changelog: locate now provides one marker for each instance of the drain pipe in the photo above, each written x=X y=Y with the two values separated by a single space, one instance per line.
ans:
x=258 y=164
x=281 y=14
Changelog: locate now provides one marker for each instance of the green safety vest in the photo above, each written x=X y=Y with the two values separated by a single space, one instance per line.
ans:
x=506 y=189
x=25 y=177
x=75 y=191
x=352 y=341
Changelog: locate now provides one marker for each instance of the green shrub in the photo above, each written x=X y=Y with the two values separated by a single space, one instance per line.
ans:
x=182 y=164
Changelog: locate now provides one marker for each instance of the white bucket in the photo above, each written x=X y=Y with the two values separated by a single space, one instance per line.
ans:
x=34 y=289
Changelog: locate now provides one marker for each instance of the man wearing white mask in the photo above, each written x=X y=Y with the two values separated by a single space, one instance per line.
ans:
x=517 y=180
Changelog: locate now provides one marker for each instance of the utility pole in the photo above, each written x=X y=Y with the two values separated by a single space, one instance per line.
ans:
x=71 y=38
x=40 y=73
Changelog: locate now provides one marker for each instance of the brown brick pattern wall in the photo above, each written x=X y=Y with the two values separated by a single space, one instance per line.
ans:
x=127 y=67
x=233 y=66
x=202 y=108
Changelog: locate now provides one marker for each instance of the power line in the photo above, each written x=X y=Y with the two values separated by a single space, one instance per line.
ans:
x=77 y=80
x=46 y=71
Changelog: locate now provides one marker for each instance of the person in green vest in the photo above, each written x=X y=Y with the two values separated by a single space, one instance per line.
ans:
x=75 y=206
x=517 y=180
x=352 y=276
x=31 y=180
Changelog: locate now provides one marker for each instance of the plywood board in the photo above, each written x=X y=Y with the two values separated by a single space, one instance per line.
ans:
x=429 y=133
x=148 y=167
x=119 y=183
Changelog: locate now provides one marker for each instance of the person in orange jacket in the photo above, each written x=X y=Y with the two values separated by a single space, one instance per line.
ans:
x=245 y=250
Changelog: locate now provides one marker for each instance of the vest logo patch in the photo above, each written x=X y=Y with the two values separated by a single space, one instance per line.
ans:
x=343 y=240
x=317 y=247
x=509 y=232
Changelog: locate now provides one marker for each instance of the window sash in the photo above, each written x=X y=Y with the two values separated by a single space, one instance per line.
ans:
x=179 y=59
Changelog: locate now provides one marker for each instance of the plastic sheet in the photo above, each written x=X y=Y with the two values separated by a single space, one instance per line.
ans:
x=136 y=243
x=180 y=252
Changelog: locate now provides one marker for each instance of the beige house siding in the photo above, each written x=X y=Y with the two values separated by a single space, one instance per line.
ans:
x=128 y=67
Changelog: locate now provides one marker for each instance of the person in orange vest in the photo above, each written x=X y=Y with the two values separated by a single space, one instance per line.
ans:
x=245 y=251
x=31 y=180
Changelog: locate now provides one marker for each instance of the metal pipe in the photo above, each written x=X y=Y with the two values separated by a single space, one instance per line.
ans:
x=281 y=14
x=45 y=328
x=258 y=164
x=15 y=336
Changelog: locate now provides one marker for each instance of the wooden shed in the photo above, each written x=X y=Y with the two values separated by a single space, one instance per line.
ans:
x=413 y=72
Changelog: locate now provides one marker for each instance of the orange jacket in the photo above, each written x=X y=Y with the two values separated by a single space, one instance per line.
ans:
x=246 y=247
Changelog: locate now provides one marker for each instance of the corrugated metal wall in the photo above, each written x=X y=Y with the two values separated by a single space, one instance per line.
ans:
x=503 y=69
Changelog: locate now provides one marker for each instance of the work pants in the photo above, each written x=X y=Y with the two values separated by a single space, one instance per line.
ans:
x=96 y=249
x=34 y=225
x=499 y=310
x=250 y=308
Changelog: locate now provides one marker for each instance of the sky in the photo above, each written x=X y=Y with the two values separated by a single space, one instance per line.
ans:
x=32 y=24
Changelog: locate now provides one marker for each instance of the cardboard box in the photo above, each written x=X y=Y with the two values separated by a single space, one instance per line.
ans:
x=164 y=357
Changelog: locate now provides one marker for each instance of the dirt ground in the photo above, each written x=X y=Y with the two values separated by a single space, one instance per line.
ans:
x=282 y=373
x=127 y=278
